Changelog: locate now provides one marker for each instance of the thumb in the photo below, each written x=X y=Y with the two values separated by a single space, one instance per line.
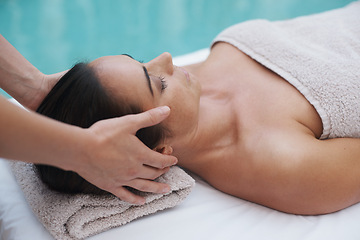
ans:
x=150 y=117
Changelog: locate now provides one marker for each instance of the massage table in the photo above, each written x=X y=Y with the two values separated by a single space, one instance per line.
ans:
x=205 y=214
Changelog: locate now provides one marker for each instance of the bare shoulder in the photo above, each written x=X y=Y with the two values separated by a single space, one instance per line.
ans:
x=293 y=172
x=297 y=173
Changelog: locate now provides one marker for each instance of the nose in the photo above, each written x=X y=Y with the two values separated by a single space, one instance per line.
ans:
x=161 y=64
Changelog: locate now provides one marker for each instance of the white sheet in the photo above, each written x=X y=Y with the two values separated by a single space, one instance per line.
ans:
x=206 y=214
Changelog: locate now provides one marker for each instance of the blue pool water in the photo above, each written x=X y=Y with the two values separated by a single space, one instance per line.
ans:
x=54 y=34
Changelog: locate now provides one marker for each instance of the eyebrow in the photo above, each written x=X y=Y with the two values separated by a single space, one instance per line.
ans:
x=148 y=80
x=146 y=74
x=124 y=54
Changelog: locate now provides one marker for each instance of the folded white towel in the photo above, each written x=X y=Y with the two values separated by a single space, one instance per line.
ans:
x=79 y=216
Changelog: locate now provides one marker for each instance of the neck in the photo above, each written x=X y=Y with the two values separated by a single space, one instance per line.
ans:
x=215 y=130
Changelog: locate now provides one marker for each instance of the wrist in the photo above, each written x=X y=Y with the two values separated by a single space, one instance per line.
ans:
x=27 y=88
x=39 y=87
x=78 y=154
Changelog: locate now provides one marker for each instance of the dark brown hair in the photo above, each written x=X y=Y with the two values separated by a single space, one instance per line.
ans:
x=80 y=99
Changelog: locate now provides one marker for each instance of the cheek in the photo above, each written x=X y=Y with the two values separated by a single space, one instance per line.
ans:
x=184 y=113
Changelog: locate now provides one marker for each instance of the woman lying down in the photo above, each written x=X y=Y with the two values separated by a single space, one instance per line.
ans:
x=272 y=115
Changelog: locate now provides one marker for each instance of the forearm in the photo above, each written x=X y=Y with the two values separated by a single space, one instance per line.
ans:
x=17 y=75
x=20 y=79
x=30 y=137
x=108 y=154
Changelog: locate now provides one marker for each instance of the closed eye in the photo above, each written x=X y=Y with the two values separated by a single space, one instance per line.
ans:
x=163 y=83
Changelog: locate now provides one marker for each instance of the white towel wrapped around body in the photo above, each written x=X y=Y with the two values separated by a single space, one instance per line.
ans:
x=318 y=54
x=79 y=216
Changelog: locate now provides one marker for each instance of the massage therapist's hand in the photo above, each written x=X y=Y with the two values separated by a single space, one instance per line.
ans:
x=123 y=160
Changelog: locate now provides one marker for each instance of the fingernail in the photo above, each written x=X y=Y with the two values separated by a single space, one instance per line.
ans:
x=164 y=110
x=140 y=202
x=166 y=189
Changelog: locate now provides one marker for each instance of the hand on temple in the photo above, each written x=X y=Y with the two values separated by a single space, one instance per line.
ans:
x=121 y=159
x=108 y=154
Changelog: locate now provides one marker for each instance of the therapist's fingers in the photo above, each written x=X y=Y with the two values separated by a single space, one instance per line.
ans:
x=150 y=173
x=141 y=185
x=127 y=196
x=159 y=160
x=149 y=118
x=150 y=186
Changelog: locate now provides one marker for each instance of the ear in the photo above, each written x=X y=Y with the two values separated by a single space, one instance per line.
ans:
x=164 y=149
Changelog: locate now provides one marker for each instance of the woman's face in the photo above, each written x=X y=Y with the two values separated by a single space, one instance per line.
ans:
x=152 y=84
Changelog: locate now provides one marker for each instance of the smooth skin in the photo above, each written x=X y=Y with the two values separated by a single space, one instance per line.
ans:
x=108 y=154
x=247 y=131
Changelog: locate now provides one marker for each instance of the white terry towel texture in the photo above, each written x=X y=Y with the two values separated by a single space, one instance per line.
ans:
x=79 y=216
x=318 y=54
